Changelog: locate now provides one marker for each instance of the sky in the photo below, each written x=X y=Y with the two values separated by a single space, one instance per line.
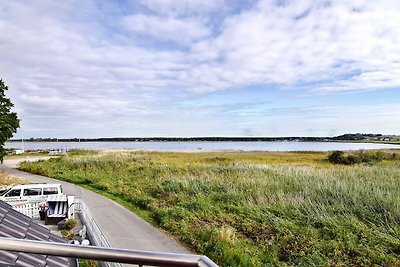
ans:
x=185 y=68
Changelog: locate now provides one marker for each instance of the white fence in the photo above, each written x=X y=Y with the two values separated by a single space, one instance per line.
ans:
x=28 y=209
x=31 y=209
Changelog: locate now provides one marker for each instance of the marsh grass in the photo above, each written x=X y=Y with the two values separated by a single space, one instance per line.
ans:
x=5 y=179
x=253 y=208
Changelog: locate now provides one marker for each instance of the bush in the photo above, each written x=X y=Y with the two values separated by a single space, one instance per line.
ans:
x=70 y=235
x=88 y=263
x=339 y=157
x=336 y=157
x=70 y=224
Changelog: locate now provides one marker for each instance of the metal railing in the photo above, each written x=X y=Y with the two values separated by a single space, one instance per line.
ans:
x=96 y=236
x=94 y=232
x=138 y=257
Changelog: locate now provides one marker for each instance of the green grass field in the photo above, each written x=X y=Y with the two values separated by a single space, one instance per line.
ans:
x=253 y=208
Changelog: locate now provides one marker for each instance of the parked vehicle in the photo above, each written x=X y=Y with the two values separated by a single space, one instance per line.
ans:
x=30 y=193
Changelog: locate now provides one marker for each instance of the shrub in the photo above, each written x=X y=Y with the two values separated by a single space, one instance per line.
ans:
x=70 y=235
x=88 y=263
x=352 y=159
x=70 y=224
x=339 y=157
x=336 y=157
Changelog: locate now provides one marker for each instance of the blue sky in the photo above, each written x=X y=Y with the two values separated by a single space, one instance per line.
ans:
x=202 y=67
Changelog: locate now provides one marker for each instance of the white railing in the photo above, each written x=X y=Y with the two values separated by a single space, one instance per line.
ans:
x=95 y=235
x=29 y=209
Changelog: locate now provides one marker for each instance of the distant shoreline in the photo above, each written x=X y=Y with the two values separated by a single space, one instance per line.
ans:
x=354 y=138
x=179 y=139
x=207 y=145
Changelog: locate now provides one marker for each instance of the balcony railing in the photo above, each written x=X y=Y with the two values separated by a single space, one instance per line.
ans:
x=141 y=258
x=101 y=250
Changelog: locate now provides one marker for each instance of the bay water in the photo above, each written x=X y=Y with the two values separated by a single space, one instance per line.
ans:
x=200 y=146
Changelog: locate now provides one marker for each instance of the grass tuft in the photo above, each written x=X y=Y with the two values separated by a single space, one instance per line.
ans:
x=6 y=180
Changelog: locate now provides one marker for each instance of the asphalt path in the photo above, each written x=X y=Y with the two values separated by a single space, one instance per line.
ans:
x=121 y=227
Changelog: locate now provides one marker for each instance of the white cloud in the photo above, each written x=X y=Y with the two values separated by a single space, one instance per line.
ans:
x=305 y=41
x=182 y=7
x=342 y=45
x=92 y=65
x=184 y=31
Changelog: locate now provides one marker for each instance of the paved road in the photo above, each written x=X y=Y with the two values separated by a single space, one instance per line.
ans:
x=122 y=228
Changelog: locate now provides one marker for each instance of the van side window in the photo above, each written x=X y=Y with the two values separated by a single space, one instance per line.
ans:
x=14 y=193
x=50 y=191
x=32 y=192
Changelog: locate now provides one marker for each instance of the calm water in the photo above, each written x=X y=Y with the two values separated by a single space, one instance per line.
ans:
x=201 y=146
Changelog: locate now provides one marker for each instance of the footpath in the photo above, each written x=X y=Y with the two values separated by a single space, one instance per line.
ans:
x=121 y=227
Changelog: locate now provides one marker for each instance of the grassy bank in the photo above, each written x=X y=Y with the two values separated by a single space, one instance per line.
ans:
x=6 y=180
x=253 y=209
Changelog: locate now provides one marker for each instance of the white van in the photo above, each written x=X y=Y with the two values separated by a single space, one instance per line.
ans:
x=30 y=193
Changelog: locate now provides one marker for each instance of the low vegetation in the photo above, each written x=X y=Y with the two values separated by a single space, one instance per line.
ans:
x=67 y=230
x=6 y=180
x=88 y=263
x=253 y=208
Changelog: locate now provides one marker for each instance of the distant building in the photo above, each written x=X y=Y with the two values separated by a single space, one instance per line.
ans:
x=19 y=151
